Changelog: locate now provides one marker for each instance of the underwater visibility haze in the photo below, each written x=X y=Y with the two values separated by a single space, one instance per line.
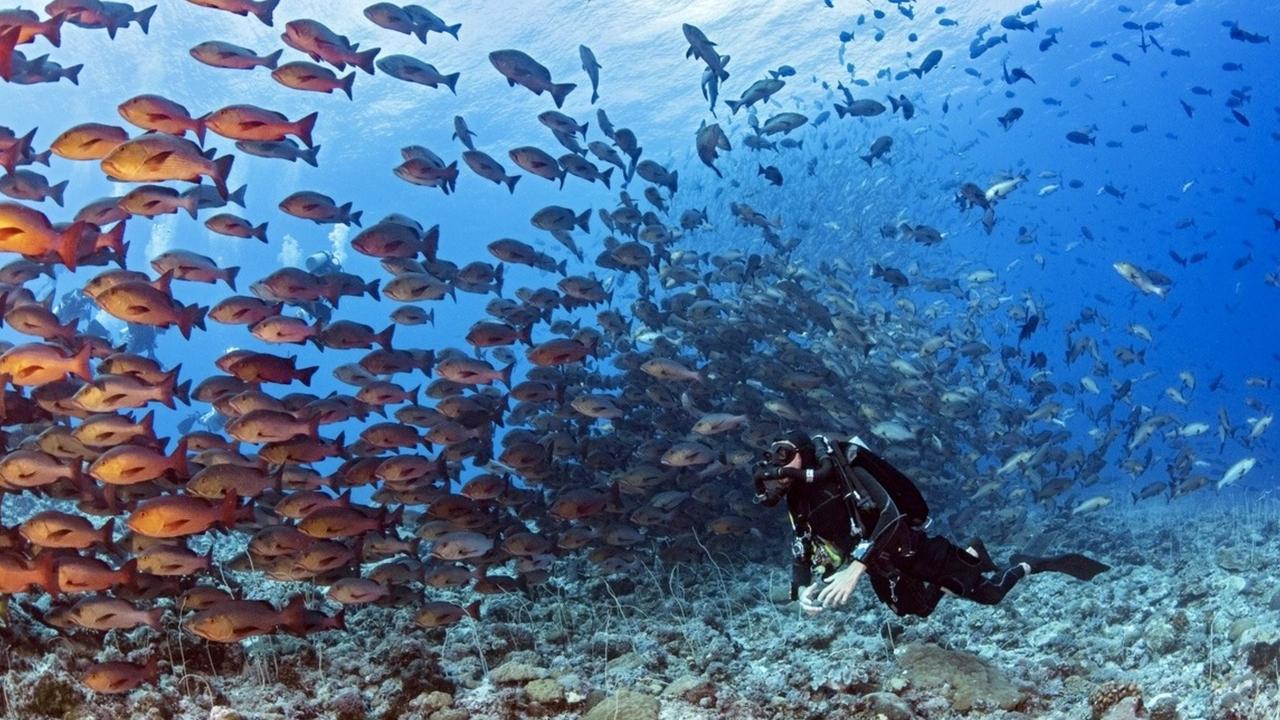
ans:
x=693 y=359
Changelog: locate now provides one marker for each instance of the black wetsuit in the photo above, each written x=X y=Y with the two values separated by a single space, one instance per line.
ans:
x=908 y=569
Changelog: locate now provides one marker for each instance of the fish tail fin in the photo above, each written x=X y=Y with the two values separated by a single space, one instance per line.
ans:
x=452 y=81
x=47 y=567
x=305 y=126
x=310 y=156
x=185 y=318
x=337 y=622
x=182 y=391
x=52 y=29
x=229 y=509
x=384 y=338
x=128 y=574
x=293 y=617
x=201 y=127
x=80 y=362
x=230 y=276
x=68 y=247
x=453 y=30
x=113 y=240
x=143 y=18
x=605 y=177
x=506 y=374
x=108 y=540
x=305 y=374
x=347 y=83
x=584 y=220
x=559 y=92
x=260 y=232
x=221 y=170
x=867 y=159
x=735 y=104
x=355 y=218
x=371 y=288
x=511 y=182
x=364 y=60
x=394 y=519
x=431 y=243
x=272 y=59
x=198 y=316
x=265 y=11
x=73 y=73
x=151 y=668
x=237 y=196
x=155 y=621
x=8 y=40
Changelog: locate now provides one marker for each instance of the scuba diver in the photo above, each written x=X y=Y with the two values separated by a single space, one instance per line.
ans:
x=137 y=339
x=854 y=513
x=319 y=264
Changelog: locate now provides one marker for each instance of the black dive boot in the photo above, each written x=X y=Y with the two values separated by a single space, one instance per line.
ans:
x=985 y=563
x=1076 y=565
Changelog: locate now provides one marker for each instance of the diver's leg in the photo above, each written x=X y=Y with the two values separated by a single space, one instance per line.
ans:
x=960 y=572
x=975 y=548
x=992 y=591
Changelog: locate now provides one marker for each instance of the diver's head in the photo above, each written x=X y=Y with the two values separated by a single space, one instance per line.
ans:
x=322 y=263
x=794 y=449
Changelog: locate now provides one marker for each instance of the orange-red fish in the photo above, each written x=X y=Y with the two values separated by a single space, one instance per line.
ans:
x=174 y=516
x=157 y=157
x=54 y=529
x=114 y=678
x=234 y=620
x=152 y=112
x=34 y=364
x=29 y=233
x=105 y=613
x=132 y=464
x=442 y=614
x=18 y=574
x=249 y=122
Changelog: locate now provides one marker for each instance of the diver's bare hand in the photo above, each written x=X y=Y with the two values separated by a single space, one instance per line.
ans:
x=808 y=603
x=840 y=587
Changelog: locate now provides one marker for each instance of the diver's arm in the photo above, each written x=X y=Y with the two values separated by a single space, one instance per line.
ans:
x=826 y=470
x=840 y=587
x=801 y=566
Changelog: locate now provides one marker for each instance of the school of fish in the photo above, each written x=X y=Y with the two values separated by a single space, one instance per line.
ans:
x=564 y=424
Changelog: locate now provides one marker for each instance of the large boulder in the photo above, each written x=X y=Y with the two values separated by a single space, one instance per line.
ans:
x=625 y=705
x=967 y=681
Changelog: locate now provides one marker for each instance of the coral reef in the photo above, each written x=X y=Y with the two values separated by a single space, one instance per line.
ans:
x=713 y=637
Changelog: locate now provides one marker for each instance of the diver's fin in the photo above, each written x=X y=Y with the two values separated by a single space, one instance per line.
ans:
x=985 y=563
x=1074 y=564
